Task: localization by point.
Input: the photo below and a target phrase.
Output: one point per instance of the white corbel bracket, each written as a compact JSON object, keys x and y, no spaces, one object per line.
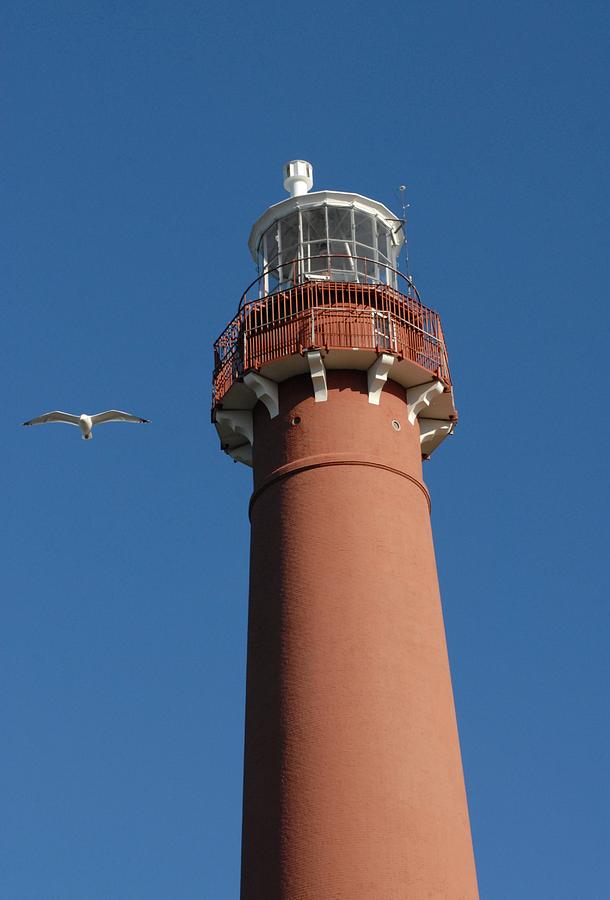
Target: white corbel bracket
{"x":236,"y":422}
{"x":232,"y":424}
{"x":318,"y":375}
{"x":432,"y":432}
{"x":265,"y":390}
{"x":421,"y":396}
{"x":377,"y":375}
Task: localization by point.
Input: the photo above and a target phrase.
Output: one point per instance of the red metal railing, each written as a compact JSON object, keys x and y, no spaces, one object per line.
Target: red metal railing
{"x":328,"y":315}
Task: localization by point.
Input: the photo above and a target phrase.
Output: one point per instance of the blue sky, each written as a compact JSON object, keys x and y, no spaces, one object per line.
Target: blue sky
{"x":140,"y":142}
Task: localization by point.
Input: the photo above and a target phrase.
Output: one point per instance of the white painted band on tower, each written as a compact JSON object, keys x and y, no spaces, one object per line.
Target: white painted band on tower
{"x":298,"y":177}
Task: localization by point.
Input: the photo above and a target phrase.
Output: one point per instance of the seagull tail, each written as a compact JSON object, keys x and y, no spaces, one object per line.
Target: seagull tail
{"x":87,"y":437}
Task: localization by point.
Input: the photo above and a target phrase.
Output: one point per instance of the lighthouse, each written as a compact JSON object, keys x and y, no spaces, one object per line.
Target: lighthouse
{"x":332,"y":383}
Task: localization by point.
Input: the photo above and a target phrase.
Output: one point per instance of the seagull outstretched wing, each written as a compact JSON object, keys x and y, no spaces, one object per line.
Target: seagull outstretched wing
{"x":55,"y":416}
{"x":115,"y":415}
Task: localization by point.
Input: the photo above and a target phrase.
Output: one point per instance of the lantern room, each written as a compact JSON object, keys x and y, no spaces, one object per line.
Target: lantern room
{"x":324,"y":236}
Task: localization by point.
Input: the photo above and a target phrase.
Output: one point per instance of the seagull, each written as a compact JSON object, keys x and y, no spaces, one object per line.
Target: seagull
{"x":85,"y":422}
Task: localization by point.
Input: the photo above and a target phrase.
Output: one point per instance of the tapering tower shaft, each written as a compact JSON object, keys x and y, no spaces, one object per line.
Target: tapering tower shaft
{"x":353,"y":785}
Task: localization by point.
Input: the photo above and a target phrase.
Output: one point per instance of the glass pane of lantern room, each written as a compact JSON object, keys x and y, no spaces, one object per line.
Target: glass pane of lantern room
{"x":272,"y":282}
{"x":271,"y":247}
{"x":340,"y":242}
{"x":382,"y":239}
{"x":384,"y":244}
{"x":342,"y":261}
{"x":290,"y":245}
{"x":315,"y":242}
{"x":271,"y":257}
{"x":365,"y":226}
{"x":367,"y":267}
{"x":340,"y":223}
{"x":316,"y":257}
{"x":314,"y":224}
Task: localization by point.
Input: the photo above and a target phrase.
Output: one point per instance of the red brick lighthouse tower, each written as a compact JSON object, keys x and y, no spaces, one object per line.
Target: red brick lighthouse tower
{"x":332,"y":383}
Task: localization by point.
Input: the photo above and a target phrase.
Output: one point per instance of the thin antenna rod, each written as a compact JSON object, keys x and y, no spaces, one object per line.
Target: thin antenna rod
{"x":402,"y":190}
